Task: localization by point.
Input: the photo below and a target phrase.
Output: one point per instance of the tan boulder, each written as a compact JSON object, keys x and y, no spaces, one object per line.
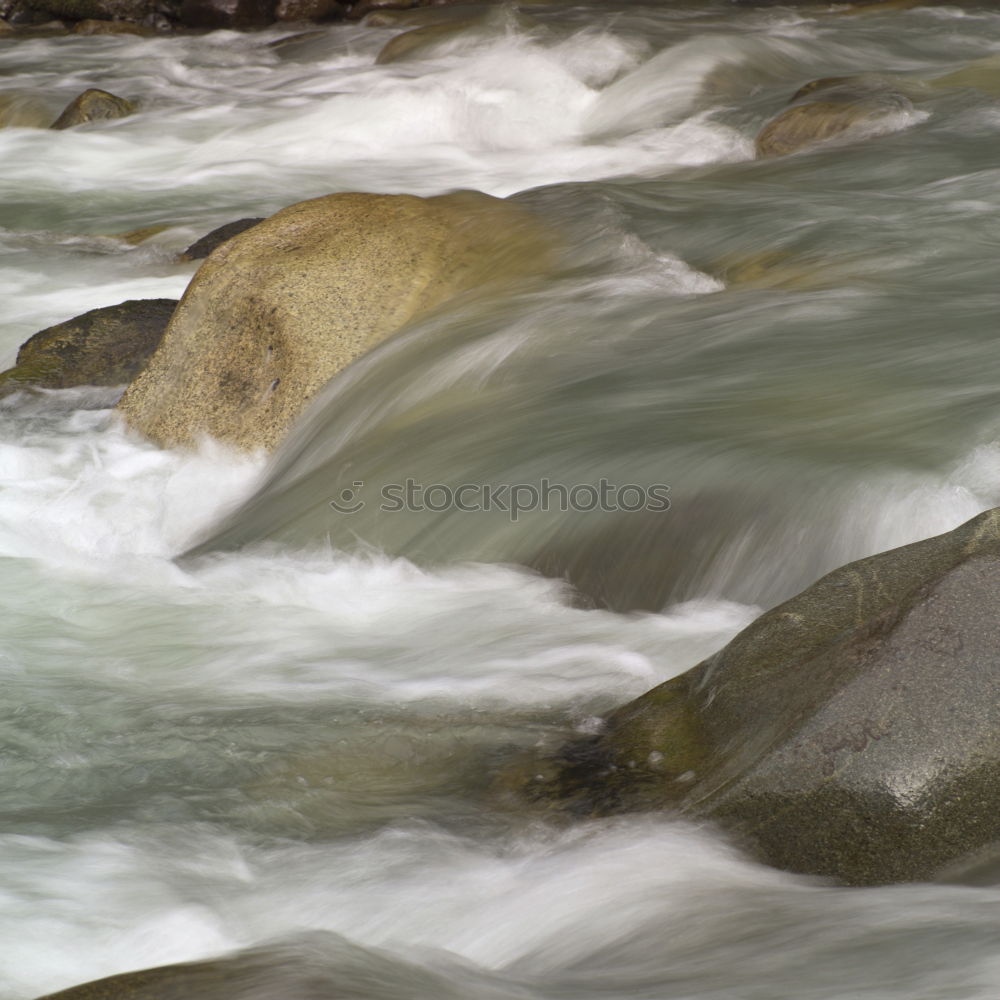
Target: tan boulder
{"x":23,"y":111}
{"x":278,"y":310}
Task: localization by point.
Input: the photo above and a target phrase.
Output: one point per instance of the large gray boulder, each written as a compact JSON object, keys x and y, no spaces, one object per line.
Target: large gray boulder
{"x":853,"y":731}
{"x":278,"y":310}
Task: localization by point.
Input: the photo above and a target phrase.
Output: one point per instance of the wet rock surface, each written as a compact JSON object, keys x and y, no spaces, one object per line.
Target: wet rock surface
{"x":853,"y":731}
{"x":107,"y":346}
{"x":275,"y":312}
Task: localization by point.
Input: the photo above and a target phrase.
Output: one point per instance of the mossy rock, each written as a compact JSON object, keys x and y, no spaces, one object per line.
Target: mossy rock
{"x":91,"y":106}
{"x":852,"y":732}
{"x":278,"y":310}
{"x":107,"y":346}
{"x":830,"y":108}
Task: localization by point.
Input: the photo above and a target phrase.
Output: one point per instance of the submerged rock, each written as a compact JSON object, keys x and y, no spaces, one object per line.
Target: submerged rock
{"x":275,"y":312}
{"x":203,"y":247}
{"x":23,"y":111}
{"x":853,"y":731}
{"x":420,"y":41}
{"x":276,"y":973}
{"x":91,"y":106}
{"x":169,"y":982}
{"x":423,"y":41}
{"x":847,"y":105}
{"x":108,"y":346}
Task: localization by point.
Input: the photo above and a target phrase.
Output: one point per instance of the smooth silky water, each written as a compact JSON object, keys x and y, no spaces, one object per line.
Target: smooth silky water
{"x":292,"y":733}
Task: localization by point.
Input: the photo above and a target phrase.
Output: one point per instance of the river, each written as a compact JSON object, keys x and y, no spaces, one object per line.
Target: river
{"x":293,"y":733}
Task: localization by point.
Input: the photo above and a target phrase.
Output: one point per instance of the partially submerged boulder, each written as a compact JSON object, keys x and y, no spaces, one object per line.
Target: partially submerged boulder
{"x":426,"y":40}
{"x":277,"y":311}
{"x":107,"y":346}
{"x":91,"y":106}
{"x":419,"y":42}
{"x":168,"y":982}
{"x":200,"y":249}
{"x":830,"y":108}
{"x":853,"y":731}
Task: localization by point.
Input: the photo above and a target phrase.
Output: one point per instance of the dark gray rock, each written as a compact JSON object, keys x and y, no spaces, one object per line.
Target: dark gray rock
{"x":203,"y":247}
{"x":108,"y":346}
{"x":309,"y":10}
{"x":853,"y":731}
{"x":99,"y":10}
{"x":238,"y":15}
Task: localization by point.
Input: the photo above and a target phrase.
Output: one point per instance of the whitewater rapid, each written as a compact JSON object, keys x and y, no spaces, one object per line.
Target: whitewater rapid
{"x":298,"y":731}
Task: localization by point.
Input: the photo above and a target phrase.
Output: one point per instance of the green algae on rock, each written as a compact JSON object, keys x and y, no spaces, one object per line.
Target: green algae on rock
{"x":852,"y":732}
{"x":278,"y":310}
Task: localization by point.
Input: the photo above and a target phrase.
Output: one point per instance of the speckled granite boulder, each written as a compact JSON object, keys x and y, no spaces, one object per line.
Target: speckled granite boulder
{"x":278,"y":310}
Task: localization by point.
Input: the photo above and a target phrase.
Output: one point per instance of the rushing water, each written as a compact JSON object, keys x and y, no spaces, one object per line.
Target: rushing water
{"x":291,"y":734}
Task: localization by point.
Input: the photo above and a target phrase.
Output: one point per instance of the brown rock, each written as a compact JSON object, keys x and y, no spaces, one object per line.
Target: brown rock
{"x":275,"y":312}
{"x":23,"y":111}
{"x":807,"y":124}
{"x":91,"y":106}
{"x":421,"y":41}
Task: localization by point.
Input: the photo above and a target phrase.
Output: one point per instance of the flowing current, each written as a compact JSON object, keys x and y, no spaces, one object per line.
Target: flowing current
{"x":293,"y":734}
